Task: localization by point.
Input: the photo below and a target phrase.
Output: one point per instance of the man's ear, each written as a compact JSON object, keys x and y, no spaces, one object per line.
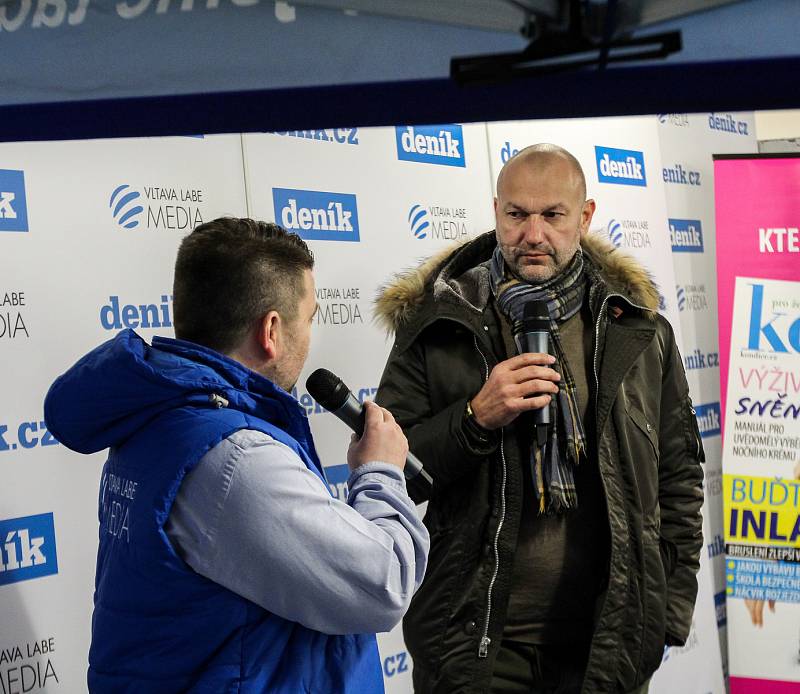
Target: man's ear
{"x":270,"y":335}
{"x":586,"y":216}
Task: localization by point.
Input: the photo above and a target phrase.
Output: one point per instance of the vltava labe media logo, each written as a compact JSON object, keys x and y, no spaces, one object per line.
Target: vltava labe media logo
{"x":438,"y":222}
{"x":629,"y":233}
{"x":680,"y":120}
{"x":177,"y":208}
{"x":339,"y":306}
{"x":13,"y":306}
{"x":691,"y":297}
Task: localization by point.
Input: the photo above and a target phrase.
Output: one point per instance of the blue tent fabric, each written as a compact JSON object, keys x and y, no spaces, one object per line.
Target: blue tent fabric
{"x":182,"y":68}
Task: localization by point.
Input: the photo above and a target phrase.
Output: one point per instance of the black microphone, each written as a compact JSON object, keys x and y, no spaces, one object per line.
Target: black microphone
{"x":330,"y":391}
{"x":533,"y":335}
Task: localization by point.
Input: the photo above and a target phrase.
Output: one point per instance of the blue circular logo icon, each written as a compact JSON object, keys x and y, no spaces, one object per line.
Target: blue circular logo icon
{"x":681,"y":298}
{"x":125,"y":208}
{"x":418,"y":221}
{"x":614,"y":231}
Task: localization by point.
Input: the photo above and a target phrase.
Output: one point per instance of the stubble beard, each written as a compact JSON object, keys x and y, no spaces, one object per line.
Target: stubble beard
{"x":534,"y":274}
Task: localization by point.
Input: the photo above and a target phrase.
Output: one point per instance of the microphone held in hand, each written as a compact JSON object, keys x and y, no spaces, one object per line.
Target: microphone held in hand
{"x":330,"y":391}
{"x":533,"y":335}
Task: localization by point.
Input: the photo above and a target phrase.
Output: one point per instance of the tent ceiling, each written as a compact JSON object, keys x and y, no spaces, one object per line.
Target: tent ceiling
{"x":116,"y":68}
{"x":515,"y":15}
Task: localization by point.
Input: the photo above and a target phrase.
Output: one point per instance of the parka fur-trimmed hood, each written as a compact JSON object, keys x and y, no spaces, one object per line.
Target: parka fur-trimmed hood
{"x":399,"y":300}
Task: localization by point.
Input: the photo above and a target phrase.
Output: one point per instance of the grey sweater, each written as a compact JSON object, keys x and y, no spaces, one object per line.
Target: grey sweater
{"x":254,"y":519}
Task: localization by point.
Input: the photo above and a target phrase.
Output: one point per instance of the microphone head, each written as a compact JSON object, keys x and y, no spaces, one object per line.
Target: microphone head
{"x":535,"y":317}
{"x":327,"y":389}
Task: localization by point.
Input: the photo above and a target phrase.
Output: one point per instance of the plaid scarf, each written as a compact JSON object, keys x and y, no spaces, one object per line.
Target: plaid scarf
{"x":551,"y":464}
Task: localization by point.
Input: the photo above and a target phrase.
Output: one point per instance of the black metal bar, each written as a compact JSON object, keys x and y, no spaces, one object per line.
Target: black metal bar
{"x":497,"y":67}
{"x":662,"y":88}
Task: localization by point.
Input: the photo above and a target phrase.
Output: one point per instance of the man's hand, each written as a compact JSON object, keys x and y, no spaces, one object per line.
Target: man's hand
{"x":756,"y":610}
{"x":515,"y":385}
{"x":382,"y":440}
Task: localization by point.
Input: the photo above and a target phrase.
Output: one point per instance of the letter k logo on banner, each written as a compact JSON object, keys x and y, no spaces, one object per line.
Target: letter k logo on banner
{"x":6,"y":210}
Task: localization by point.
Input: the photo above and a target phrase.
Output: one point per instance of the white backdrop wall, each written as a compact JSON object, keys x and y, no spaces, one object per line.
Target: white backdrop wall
{"x":71,"y":261}
{"x":84,"y":262}
{"x":688,"y":143}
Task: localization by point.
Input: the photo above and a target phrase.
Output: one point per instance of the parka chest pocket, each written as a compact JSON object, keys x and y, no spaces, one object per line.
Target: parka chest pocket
{"x":646,"y":428}
{"x":644,"y":455}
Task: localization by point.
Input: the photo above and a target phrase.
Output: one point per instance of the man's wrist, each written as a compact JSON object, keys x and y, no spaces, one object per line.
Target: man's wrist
{"x":478,"y":433}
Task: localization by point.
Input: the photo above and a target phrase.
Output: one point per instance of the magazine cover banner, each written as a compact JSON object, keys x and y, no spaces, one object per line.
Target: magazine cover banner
{"x":758,"y":250}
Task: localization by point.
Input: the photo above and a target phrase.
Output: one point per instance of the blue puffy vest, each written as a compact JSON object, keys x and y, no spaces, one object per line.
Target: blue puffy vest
{"x":157,"y":625}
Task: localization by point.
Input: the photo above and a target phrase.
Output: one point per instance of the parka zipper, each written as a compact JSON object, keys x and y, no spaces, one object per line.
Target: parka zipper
{"x":483,"y":647}
{"x":594,"y":357}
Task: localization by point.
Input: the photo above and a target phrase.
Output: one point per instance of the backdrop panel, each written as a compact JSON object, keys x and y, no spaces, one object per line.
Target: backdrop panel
{"x":88,"y":234}
{"x":688,"y":142}
{"x":371,"y":202}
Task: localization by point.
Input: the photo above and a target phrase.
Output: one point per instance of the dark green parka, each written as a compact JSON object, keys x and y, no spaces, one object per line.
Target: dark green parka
{"x":648,"y":449}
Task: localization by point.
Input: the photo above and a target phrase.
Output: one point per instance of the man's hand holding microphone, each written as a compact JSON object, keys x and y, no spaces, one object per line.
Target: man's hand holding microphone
{"x":519,"y":384}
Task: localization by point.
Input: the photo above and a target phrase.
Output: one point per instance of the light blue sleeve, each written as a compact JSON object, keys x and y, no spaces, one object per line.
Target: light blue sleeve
{"x":254,"y":519}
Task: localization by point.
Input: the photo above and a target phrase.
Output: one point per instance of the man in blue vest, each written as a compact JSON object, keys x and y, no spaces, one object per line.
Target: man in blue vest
{"x":224,"y":563}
